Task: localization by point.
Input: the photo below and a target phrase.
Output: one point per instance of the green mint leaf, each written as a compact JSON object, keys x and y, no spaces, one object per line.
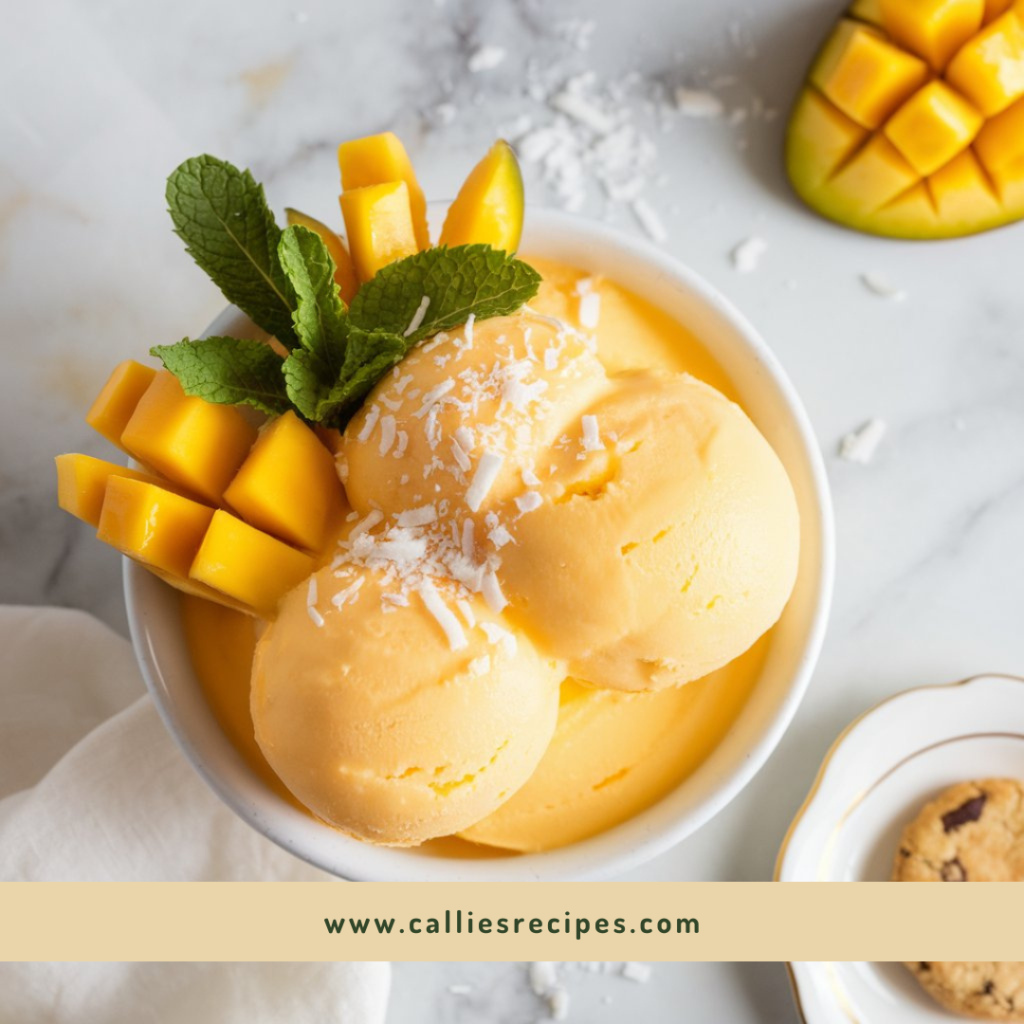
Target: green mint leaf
{"x":228,"y":371}
{"x":369,"y":356}
{"x":467,"y":279}
{"x":304,"y":383}
{"x":320,"y":320}
{"x":222,"y":216}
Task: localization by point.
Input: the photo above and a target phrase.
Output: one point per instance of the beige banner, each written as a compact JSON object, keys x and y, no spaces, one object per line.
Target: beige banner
{"x":448,"y":921}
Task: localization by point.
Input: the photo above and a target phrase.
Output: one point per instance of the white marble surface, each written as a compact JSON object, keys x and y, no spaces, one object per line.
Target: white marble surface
{"x":499,"y":993}
{"x":100,"y":99}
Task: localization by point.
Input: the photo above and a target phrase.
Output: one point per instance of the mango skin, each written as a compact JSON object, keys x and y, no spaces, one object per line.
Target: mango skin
{"x":978,"y":189}
{"x":490,"y":205}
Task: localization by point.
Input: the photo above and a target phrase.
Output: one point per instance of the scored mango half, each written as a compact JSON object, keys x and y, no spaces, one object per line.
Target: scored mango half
{"x":911,"y":123}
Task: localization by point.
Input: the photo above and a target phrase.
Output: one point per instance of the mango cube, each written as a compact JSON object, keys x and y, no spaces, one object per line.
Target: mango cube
{"x":989,"y":69}
{"x":1000,"y":144}
{"x":193,"y":443}
{"x":864,"y":75}
{"x":820,"y":138}
{"x":993,"y":8}
{"x":961,"y":190}
{"x":344,"y":270}
{"x":156,"y":527}
{"x":288,"y":485}
{"x":377,"y":160}
{"x":248,"y":565}
{"x":378,"y":221}
{"x":933,"y":29}
{"x":489,"y":207}
{"x":876,"y":175}
{"x":82,"y":484}
{"x":933,"y":126}
{"x":867,"y":10}
{"x":116,"y":402}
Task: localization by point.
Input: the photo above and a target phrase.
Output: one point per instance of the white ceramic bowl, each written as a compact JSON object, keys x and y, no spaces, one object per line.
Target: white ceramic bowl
{"x":769,"y":398}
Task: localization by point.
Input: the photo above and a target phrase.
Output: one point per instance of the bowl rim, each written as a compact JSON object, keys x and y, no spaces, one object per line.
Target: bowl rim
{"x":616,"y":850}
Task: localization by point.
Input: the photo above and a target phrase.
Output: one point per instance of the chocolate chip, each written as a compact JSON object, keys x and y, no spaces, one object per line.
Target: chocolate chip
{"x":970,"y":811}
{"x":904,"y":852}
{"x":988,"y":989}
{"x":954,"y":871}
{"x":924,"y":965}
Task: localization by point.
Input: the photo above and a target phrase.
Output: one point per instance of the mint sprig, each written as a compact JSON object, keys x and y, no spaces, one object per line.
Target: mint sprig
{"x":222,"y":216}
{"x":319,"y":317}
{"x":284,"y":281}
{"x":228,"y":371}
{"x":469,"y":279}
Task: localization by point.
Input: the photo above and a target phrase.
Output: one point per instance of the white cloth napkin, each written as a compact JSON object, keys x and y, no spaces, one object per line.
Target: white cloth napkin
{"x":93,"y":789}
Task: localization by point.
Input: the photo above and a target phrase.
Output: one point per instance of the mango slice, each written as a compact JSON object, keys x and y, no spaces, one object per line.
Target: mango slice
{"x":156,"y":527}
{"x":344,"y":270}
{"x":193,"y":443}
{"x":378,"y":221}
{"x":910,"y":124}
{"x":378,"y":160}
{"x":248,"y":565}
{"x":82,"y":484}
{"x":114,"y":405}
{"x":489,"y":207}
{"x":288,"y":485}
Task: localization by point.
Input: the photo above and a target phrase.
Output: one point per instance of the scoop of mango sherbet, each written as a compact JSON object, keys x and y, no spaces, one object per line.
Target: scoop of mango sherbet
{"x":385,"y":727}
{"x":664,"y":542}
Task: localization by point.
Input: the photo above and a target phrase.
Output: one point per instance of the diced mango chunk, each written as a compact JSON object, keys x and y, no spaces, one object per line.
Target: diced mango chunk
{"x":933,"y":126}
{"x":489,"y":207}
{"x":193,"y":443}
{"x":933,"y":29}
{"x":377,"y":160}
{"x":344,"y":270}
{"x":379,"y":225}
{"x":1000,"y":144}
{"x":876,"y":175}
{"x":116,"y":402}
{"x":156,"y":527}
{"x":82,"y":484}
{"x":961,"y":191}
{"x":867,"y":10}
{"x":248,"y":565}
{"x":989,"y":69}
{"x":288,"y":485}
{"x":864,"y":75}
{"x":993,"y":8}
{"x":820,"y":138}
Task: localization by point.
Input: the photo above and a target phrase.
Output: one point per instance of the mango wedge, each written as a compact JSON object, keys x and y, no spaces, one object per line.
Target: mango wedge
{"x":378,"y":160}
{"x":490,"y":205}
{"x":288,"y":485}
{"x":193,"y":443}
{"x":114,"y":405}
{"x":912,"y":119}
{"x":344,"y":269}
{"x":379,"y":225}
{"x":82,"y":484}
{"x":248,"y":565}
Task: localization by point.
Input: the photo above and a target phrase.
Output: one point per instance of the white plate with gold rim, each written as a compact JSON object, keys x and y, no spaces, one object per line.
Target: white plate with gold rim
{"x":862,"y":993}
{"x":878,"y":774}
{"x":893,"y":760}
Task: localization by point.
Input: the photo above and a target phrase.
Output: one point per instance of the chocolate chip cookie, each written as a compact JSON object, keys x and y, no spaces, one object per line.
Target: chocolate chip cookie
{"x":973,"y":832}
{"x":993,"y":991}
